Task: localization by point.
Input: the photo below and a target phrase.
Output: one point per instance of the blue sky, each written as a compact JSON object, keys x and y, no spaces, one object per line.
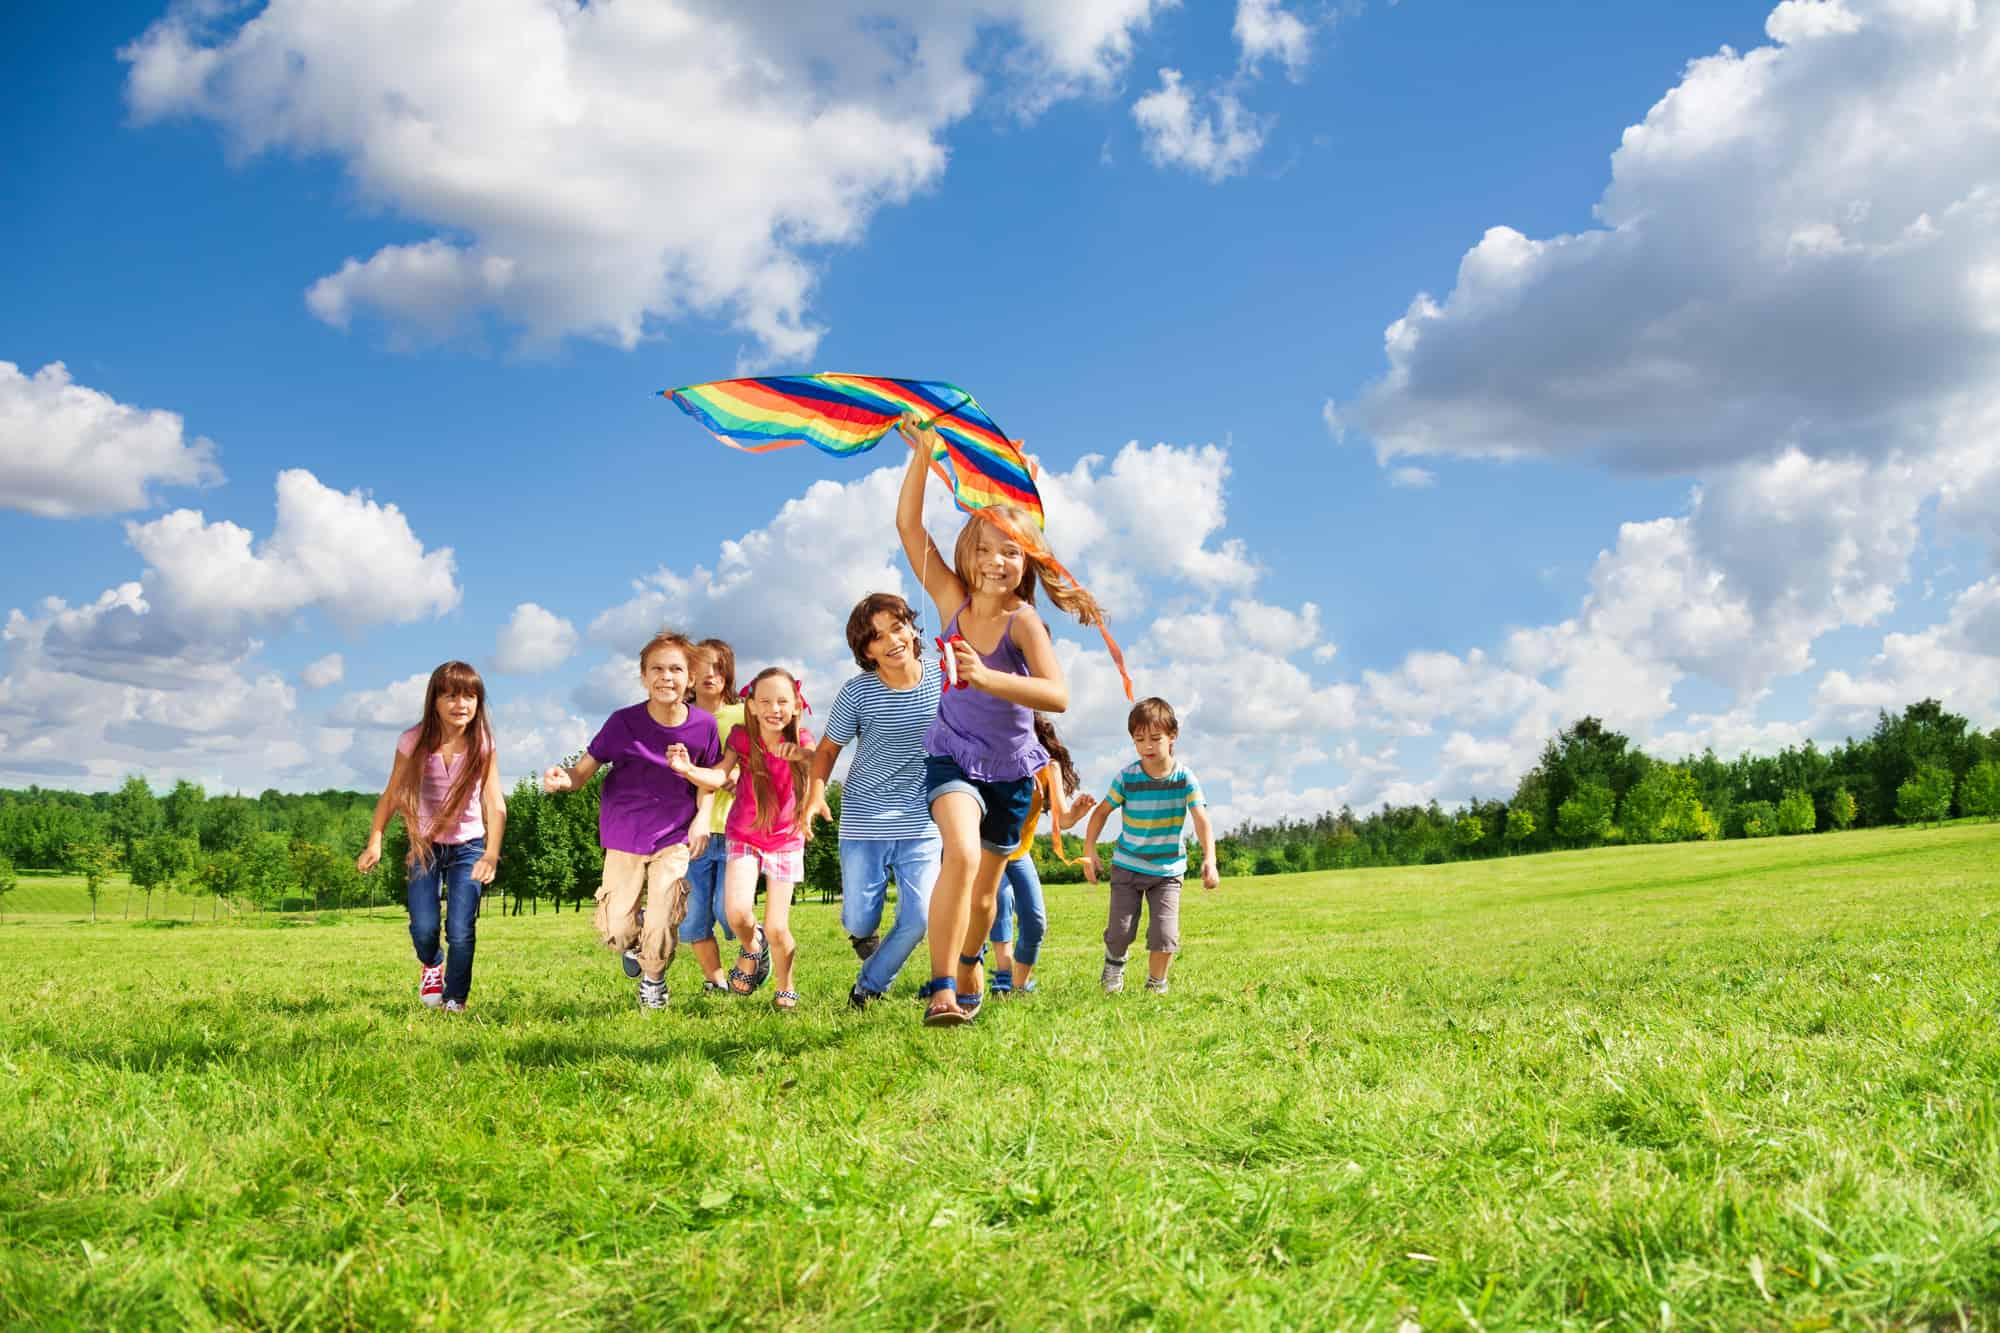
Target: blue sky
{"x":405,"y":263}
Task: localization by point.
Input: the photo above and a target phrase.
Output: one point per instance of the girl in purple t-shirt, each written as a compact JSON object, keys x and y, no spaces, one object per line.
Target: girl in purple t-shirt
{"x":774,"y":754}
{"x":981,"y":755}
{"x":445,"y":783}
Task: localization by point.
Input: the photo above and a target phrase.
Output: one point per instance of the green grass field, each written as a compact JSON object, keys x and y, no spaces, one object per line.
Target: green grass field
{"x":1738,"y":1085}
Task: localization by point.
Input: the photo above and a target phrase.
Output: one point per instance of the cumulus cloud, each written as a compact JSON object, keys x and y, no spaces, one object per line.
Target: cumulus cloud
{"x":67,"y":449}
{"x":1215,"y":144}
{"x":322,"y":672}
{"x":343,"y":553}
{"x":1798,"y":250}
{"x":1956,"y":661}
{"x":556,"y":150}
{"x":534,"y":640}
{"x":1266,"y":30}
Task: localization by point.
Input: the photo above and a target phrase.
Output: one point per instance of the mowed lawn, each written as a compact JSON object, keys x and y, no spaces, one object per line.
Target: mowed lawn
{"x":1738,"y":1085}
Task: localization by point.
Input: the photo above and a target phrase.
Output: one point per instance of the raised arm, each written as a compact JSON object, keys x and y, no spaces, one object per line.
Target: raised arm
{"x":940,"y":580}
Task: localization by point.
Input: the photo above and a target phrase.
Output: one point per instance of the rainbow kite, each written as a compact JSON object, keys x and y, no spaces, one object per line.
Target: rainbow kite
{"x":845,"y":415}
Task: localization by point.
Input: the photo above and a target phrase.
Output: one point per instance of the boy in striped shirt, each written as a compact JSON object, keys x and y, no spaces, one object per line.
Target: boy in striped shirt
{"x":1158,"y":796}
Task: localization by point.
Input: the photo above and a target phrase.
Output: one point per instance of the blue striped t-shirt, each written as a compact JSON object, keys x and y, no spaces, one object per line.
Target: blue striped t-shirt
{"x":883,"y":796}
{"x":1154,"y":813}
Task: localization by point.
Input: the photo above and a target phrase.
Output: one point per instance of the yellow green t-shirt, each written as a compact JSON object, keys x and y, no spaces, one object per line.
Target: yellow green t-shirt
{"x":727,"y":717}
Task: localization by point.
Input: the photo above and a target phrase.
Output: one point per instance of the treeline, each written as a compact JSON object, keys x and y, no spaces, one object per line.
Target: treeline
{"x":1593,"y":787}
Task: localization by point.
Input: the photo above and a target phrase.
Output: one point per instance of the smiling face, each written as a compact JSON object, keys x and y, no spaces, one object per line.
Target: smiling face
{"x":892,"y":641}
{"x":998,"y":562}
{"x":664,"y":673}
{"x":774,"y":703}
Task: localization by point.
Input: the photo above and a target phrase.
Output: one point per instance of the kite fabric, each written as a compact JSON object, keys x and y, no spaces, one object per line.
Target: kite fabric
{"x":845,"y":415}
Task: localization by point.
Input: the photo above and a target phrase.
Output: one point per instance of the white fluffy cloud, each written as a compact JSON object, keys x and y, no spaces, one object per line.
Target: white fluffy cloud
{"x":534,"y":640}
{"x":1266,"y":30}
{"x":67,"y":449}
{"x":342,"y":553}
{"x":324,"y":671}
{"x":1215,"y":143}
{"x":1799,"y":249}
{"x":558,"y":147}
{"x":1956,"y":662}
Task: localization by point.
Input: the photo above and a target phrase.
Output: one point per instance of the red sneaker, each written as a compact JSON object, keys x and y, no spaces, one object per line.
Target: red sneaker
{"x":430,"y":986}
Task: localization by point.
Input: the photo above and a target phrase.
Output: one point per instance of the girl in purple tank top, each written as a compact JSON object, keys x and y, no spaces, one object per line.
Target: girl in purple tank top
{"x":981,"y":755}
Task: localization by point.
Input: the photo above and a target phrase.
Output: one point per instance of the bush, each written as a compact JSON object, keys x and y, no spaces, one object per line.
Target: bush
{"x":1796,"y":813}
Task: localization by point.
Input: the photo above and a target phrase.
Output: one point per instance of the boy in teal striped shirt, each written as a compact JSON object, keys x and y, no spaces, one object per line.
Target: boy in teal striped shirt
{"x":1158,"y":795}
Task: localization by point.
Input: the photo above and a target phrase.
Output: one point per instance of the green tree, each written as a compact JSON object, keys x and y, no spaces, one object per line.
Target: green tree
{"x":1467,"y":831}
{"x":1585,"y":817}
{"x":267,"y":869}
{"x":161,"y":862}
{"x":1796,"y":814}
{"x":94,"y":861}
{"x":1520,"y":827}
{"x":1841,"y":809}
{"x":8,"y":879}
{"x":182,"y":808}
{"x":133,"y":813}
{"x":823,"y":852}
{"x":1925,"y":798}
{"x":1757,"y":819}
{"x":1979,"y":793}
{"x":324,"y":876}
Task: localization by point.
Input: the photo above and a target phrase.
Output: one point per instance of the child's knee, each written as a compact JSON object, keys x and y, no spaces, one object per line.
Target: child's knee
{"x":781,"y":938}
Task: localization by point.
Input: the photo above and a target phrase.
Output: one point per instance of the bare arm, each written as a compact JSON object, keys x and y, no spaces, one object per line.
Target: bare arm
{"x":1045,"y":691}
{"x":493,"y":809}
{"x":1091,"y":832}
{"x":1204,"y":829}
{"x":557,"y":778}
{"x":372,"y":853}
{"x":814,"y":806}
{"x":940,"y":580}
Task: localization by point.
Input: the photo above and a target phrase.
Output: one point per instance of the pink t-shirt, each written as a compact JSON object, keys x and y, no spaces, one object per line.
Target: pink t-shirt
{"x":435,"y":787}
{"x":780,"y":835}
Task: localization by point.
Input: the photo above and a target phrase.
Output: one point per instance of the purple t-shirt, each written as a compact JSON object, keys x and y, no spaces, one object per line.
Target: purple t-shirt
{"x":646,"y":805}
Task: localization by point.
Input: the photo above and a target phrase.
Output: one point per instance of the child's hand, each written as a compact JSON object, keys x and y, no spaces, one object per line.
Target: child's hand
{"x":1091,"y":870}
{"x":973,"y":673}
{"x":817,"y":808}
{"x":1210,"y":876}
{"x":697,"y":844}
{"x":677,"y":759}
{"x":555,"y":778}
{"x":1081,"y":806}
{"x":370,"y":856}
{"x":485,"y":868}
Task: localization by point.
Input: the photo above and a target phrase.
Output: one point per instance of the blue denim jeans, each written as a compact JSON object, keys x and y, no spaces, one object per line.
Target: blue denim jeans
{"x":865,"y":864}
{"x":1021,"y":895}
{"x":448,"y":876}
{"x":705,"y":894}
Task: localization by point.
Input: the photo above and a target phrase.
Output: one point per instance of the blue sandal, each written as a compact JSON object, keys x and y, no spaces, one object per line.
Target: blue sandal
{"x":1001,"y":983}
{"x":969,"y":1001}
{"x":943,"y":1010}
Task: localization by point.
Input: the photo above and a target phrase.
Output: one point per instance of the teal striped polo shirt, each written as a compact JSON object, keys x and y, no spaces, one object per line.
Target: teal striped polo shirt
{"x":1154,"y":814}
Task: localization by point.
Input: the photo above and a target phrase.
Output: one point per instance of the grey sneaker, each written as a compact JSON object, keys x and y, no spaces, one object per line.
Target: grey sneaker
{"x":1112,"y":978}
{"x":1156,"y":985}
{"x":652,"y":994}
{"x":630,"y":959}
{"x":454,"y":1006}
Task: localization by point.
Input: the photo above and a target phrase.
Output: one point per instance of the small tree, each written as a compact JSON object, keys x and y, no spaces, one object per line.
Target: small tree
{"x":94,"y":861}
{"x":1759,"y":819}
{"x":1586,"y":817}
{"x":1979,"y":792}
{"x":1925,"y":798}
{"x":1520,"y":825}
{"x":1796,"y":814}
{"x":8,"y":879}
{"x":1841,"y":809}
{"x":162,"y":861}
{"x":1467,"y":831}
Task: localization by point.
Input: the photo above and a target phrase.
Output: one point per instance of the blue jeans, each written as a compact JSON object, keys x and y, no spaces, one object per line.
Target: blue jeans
{"x":865,"y":864}
{"x":449,"y":875}
{"x":705,"y":894}
{"x":1021,"y":892}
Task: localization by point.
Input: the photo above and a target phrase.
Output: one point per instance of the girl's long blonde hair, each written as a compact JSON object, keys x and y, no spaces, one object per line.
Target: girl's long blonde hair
{"x":1019,"y":526}
{"x":450,"y":680}
{"x":762,"y":789}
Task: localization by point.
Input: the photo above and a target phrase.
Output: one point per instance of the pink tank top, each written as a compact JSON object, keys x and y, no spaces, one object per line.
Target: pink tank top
{"x":435,"y":787}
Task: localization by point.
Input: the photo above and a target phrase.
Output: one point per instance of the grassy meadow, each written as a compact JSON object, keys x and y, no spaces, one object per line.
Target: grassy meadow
{"x":1735,"y":1085}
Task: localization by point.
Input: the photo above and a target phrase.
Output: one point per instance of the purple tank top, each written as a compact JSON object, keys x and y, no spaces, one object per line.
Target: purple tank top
{"x":991,"y":739}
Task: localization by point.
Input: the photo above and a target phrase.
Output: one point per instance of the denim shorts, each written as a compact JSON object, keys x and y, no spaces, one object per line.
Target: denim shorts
{"x":1003,"y":806}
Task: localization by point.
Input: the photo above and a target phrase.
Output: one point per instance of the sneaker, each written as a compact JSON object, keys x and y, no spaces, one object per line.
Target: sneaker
{"x":430,"y":986}
{"x":631,"y":961}
{"x":714,"y":988}
{"x":865,"y":945}
{"x":1156,"y":985}
{"x":859,"y":999}
{"x":454,"y":1006}
{"x":1112,"y":978}
{"x":652,"y":994}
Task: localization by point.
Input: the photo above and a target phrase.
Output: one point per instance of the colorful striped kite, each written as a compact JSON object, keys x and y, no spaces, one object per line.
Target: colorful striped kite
{"x":844,"y":415}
